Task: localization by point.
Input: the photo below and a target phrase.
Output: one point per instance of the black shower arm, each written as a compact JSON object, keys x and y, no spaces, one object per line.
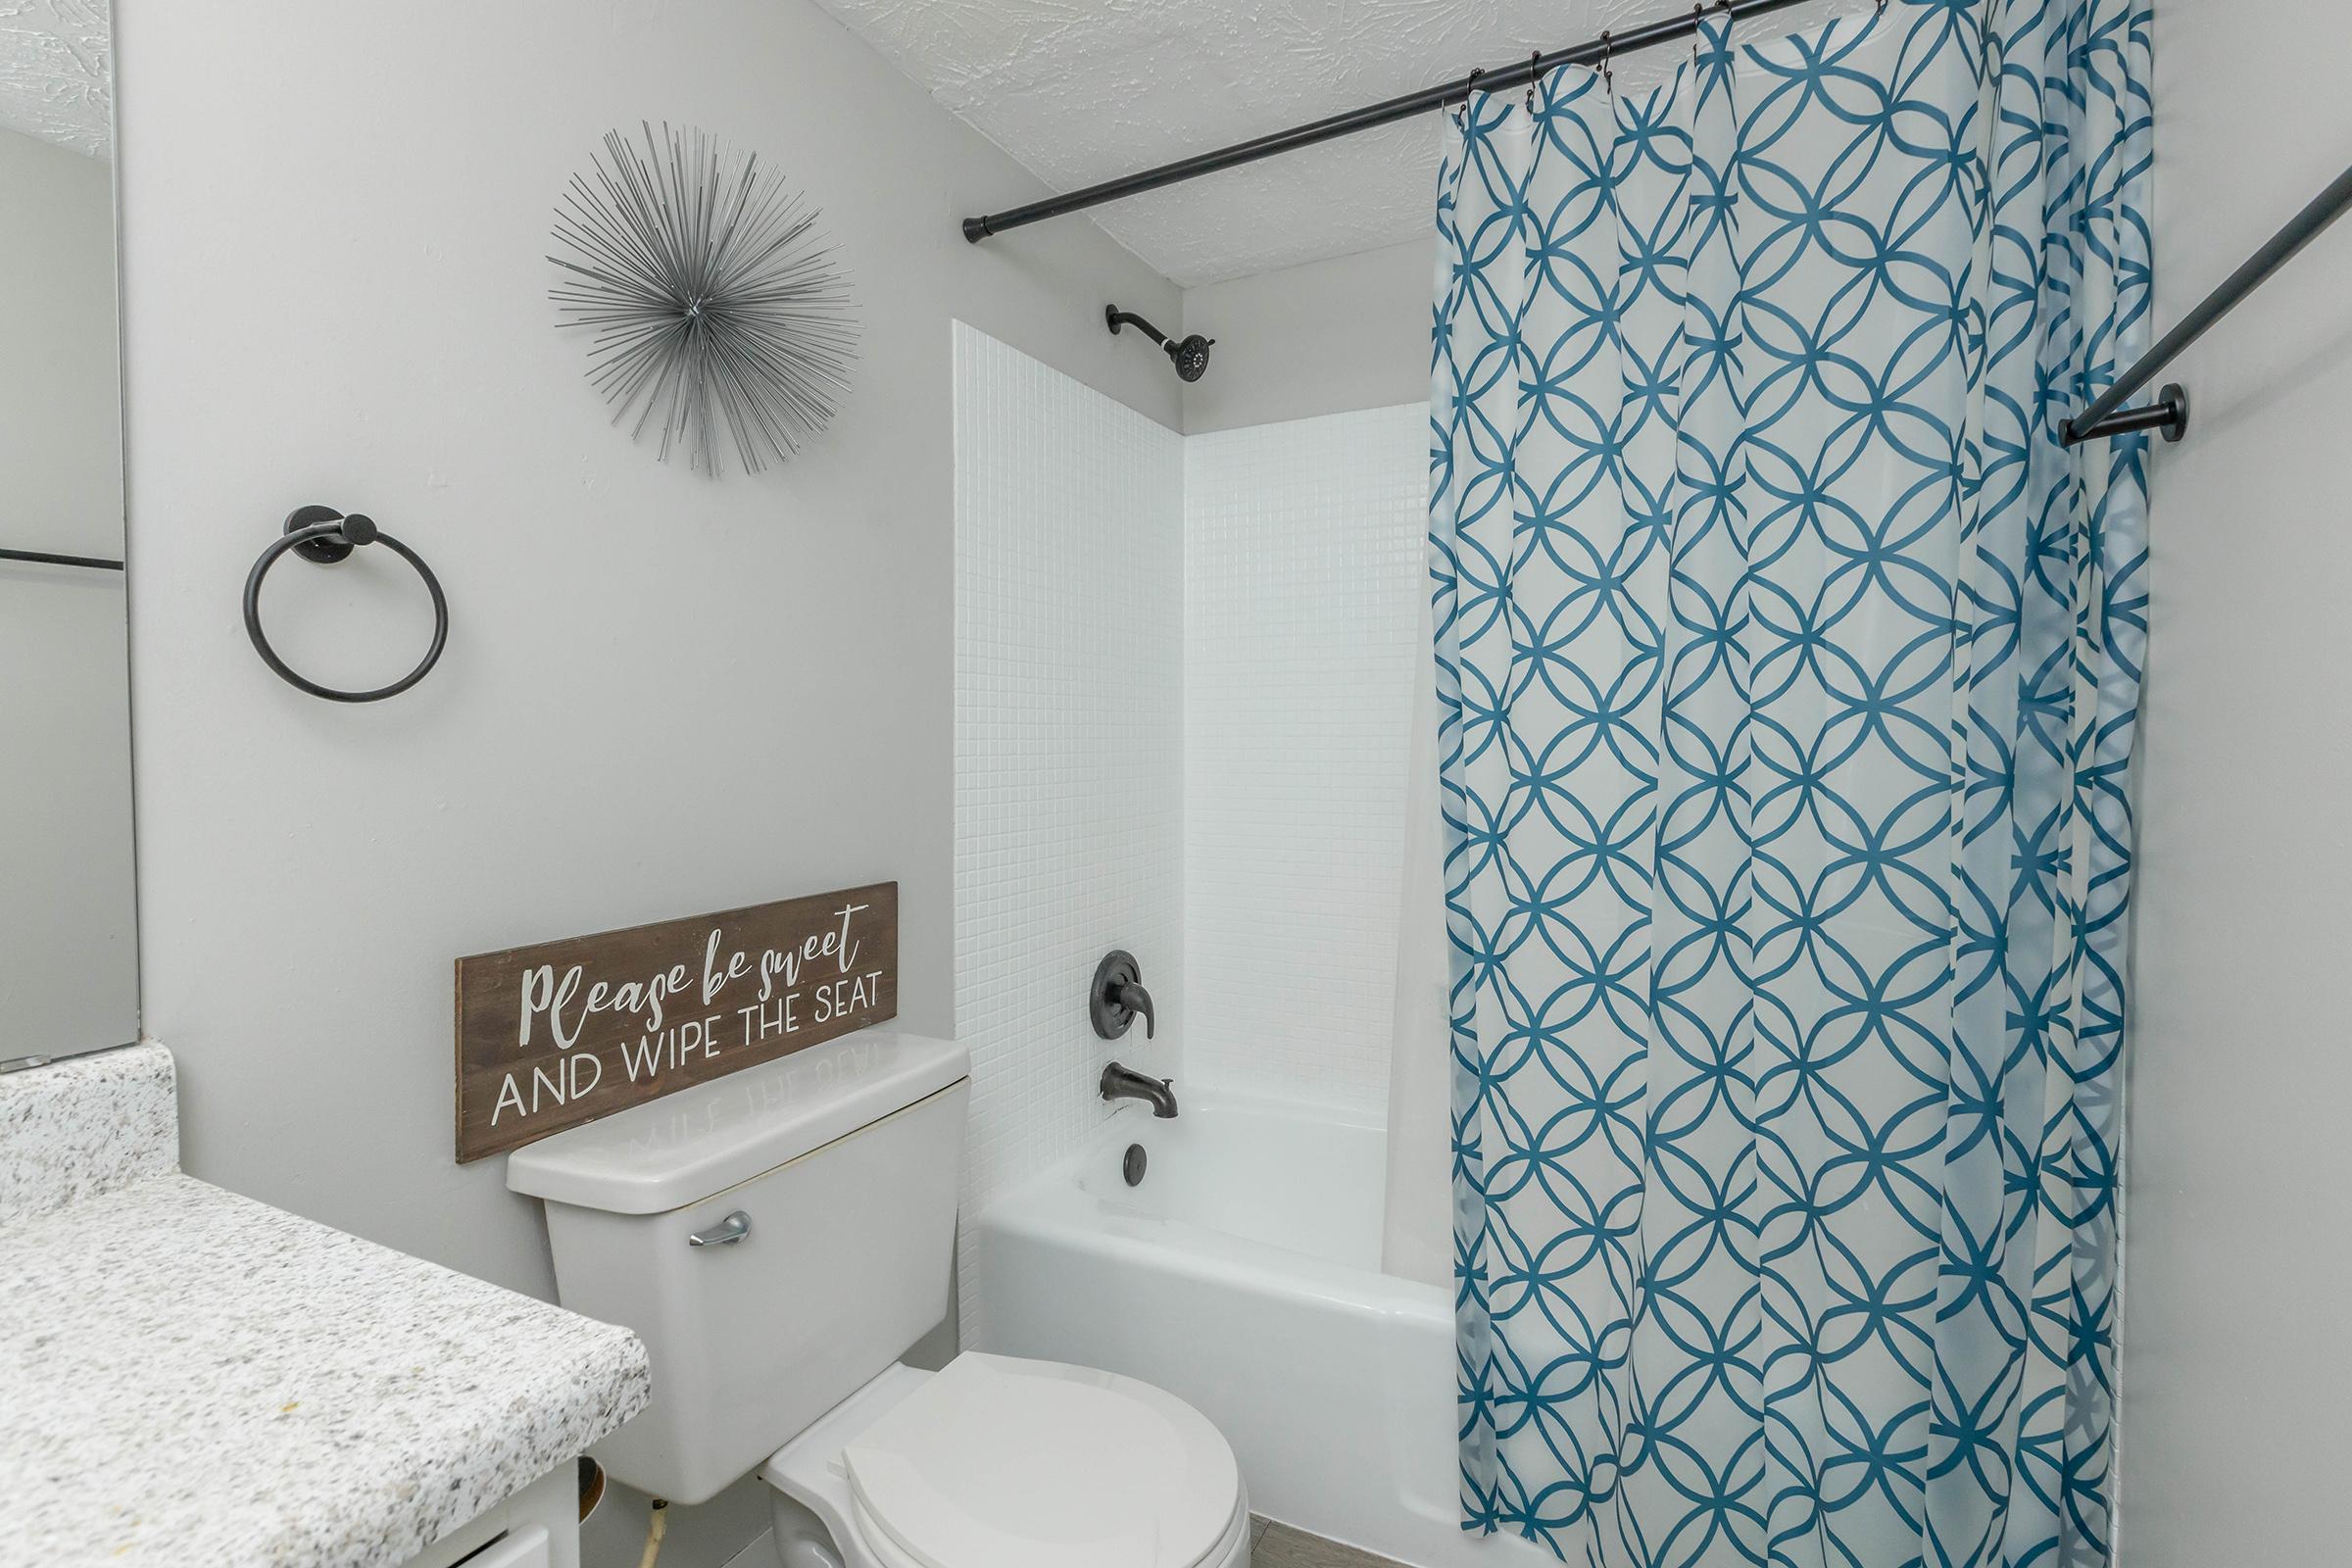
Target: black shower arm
{"x":1118,"y":318}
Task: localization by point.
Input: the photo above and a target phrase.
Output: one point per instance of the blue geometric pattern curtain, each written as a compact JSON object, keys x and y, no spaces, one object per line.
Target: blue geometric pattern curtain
{"x":1789,"y":671}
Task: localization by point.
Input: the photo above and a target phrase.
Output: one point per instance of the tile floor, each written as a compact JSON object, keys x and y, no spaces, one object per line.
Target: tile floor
{"x":1274,"y":1545}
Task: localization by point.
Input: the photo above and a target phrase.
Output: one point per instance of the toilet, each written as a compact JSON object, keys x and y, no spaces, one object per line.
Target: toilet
{"x":778,"y":1237}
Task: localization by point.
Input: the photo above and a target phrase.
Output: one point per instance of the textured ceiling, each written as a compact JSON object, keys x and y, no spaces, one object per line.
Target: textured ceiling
{"x":1084,"y":91}
{"x":56,"y":59}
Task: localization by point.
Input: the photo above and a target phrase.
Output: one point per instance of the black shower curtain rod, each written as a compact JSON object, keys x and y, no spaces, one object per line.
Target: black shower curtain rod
{"x":1598,"y":51}
{"x":2169,"y":412}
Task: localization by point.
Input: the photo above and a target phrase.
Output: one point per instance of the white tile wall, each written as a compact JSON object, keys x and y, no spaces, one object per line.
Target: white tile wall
{"x":1184,"y":677}
{"x":1304,"y":565}
{"x":1069,"y":767}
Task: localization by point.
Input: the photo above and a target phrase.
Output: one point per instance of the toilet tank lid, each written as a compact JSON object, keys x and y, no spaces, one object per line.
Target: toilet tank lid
{"x":686,"y":1147}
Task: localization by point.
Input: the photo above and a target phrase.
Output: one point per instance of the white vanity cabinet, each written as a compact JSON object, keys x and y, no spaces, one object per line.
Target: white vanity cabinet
{"x":536,"y":1528}
{"x":525,"y":1549}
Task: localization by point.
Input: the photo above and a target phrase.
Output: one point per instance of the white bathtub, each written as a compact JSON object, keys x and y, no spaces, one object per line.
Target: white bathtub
{"x":1243,"y":1276}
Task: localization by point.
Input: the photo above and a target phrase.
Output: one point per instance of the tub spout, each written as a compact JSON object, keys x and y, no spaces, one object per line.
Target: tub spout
{"x":1125,"y":1083}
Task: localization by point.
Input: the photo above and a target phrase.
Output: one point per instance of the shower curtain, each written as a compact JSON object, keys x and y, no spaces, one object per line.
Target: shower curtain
{"x":1788,"y":670}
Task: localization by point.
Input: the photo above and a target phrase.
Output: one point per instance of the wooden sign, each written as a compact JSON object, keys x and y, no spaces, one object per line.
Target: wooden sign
{"x":564,"y":1032}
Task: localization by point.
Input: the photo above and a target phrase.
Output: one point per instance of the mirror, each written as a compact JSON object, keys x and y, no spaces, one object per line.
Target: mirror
{"x":69,"y":954}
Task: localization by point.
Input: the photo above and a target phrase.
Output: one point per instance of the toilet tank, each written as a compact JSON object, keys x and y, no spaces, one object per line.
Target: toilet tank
{"x":842,"y":1161}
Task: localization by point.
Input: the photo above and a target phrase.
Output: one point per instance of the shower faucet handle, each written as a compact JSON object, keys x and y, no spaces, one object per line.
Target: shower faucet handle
{"x":1136,"y":1000}
{"x":1117,"y":998}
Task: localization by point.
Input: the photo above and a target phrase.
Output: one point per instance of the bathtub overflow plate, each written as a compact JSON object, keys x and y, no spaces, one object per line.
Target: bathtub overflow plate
{"x":1131,"y":1165}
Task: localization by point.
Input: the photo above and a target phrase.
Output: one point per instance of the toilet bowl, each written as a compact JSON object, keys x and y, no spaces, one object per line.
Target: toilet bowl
{"x":994,"y":1462}
{"x":778,"y":1237}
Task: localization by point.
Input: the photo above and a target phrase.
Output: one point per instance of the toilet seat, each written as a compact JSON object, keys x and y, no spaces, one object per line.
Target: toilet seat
{"x":996,"y":1462}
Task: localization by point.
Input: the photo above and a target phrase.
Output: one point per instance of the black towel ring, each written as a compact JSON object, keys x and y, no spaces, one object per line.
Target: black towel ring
{"x":327,"y":536}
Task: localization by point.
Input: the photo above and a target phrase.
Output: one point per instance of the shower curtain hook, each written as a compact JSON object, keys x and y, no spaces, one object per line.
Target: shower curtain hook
{"x":1698,"y":20}
{"x":1461,"y":114}
{"x":1535,"y":69}
{"x":1608,"y":50}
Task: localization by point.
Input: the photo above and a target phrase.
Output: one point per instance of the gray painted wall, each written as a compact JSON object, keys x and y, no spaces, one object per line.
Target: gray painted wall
{"x":662,"y":693}
{"x":1328,"y":337}
{"x":2235,"y":1362}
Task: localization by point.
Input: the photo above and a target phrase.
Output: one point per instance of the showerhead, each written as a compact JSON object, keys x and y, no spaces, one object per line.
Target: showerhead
{"x":1190,"y":356}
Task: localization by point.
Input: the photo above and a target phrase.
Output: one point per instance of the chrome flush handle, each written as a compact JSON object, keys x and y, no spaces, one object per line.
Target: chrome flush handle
{"x":726,"y":1233}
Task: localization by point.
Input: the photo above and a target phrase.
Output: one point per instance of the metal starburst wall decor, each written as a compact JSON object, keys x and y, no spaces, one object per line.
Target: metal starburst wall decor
{"x":716,"y":312}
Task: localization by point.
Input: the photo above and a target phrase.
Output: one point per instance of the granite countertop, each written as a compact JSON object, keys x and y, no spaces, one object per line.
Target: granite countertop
{"x":189,"y":1377}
